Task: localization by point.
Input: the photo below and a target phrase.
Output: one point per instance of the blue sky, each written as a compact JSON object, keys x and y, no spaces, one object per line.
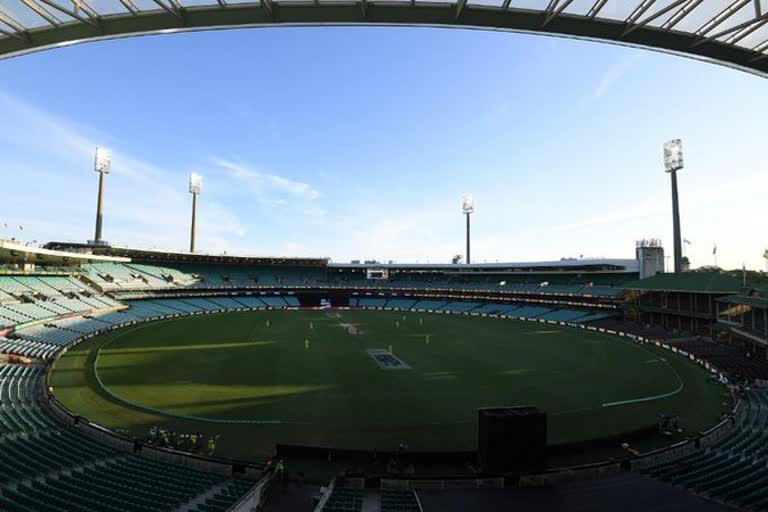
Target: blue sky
{"x":357,"y":143}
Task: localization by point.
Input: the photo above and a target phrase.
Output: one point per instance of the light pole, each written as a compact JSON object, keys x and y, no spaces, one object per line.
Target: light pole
{"x":195,"y":187}
{"x":102,"y":164}
{"x":468,"y":208}
{"x":673,"y":162}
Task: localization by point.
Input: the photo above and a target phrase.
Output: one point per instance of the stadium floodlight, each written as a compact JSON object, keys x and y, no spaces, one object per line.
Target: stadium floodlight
{"x":468,"y":208}
{"x":468,"y":203}
{"x":673,"y":155}
{"x":102,"y":164}
{"x":195,"y":187}
{"x":673,"y":162}
{"x":195,"y":183}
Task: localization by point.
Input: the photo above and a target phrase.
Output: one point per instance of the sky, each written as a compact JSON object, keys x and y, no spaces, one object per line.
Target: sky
{"x":359,"y":142}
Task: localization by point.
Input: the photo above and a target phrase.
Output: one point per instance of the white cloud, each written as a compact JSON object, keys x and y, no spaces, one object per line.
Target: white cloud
{"x":267,"y":186}
{"x":611,"y":76}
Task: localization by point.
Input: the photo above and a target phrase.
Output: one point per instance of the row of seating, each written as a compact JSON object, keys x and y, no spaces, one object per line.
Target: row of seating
{"x":735,"y":470}
{"x":508,"y":309}
{"x":28,"y":348}
{"x":136,"y":276}
{"x":47,"y":465}
{"x":227,"y":496}
{"x":15,"y":286}
{"x":19,"y":409}
{"x":399,"y":501}
{"x":343,"y":499}
{"x":729,"y":358}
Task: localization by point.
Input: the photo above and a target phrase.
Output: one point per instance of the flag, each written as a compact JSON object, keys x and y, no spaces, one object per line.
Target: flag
{"x":714,"y":250}
{"x":765,"y":254}
{"x":686,"y":241}
{"x":21,"y":228}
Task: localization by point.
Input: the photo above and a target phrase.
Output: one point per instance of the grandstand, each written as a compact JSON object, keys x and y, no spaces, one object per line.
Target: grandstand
{"x":733,"y":471}
{"x":46,"y":310}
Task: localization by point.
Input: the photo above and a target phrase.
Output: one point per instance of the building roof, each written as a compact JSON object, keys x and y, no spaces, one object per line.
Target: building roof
{"x":732,"y":33}
{"x":12,"y":251}
{"x":689,"y":282}
{"x":757,"y":297}
{"x":169,"y":256}
{"x":566,"y":265}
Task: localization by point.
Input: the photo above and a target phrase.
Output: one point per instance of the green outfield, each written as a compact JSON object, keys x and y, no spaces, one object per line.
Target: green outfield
{"x":309,"y":377}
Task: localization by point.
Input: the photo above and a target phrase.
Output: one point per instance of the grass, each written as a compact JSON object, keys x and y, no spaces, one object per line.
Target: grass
{"x":257,"y":385}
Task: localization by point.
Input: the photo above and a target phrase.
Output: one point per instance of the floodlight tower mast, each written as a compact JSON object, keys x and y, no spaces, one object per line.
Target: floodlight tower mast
{"x":673,"y":162}
{"x":102,"y":164}
{"x":195,"y":187}
{"x":468,"y":208}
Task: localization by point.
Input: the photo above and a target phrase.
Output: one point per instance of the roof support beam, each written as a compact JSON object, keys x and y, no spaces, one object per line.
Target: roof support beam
{"x":42,"y":12}
{"x":639,"y":11}
{"x":89,"y":20}
{"x":128,"y":4}
{"x":551,"y":5}
{"x":758,"y":9}
{"x":8,"y":20}
{"x":596,"y":8}
{"x":459,"y":7}
{"x":760,"y":47}
{"x":736,"y":29}
{"x":657,"y":14}
{"x":681,"y":14}
{"x":268,"y":6}
{"x":8,"y":33}
{"x":169,"y":8}
{"x":556,"y":11}
{"x":722,"y":16}
{"x":739,"y":31}
{"x":86,"y":8}
{"x":744,"y":33}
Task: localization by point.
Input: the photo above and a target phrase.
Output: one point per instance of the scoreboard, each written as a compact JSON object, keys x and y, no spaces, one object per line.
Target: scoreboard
{"x":377,"y":273}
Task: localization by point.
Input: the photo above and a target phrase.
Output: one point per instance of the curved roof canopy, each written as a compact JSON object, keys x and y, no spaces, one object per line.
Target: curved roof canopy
{"x":730,"y":32}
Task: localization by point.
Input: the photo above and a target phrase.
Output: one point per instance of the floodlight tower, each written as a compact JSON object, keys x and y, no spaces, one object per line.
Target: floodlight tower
{"x":673,"y":162}
{"x":468,"y":208}
{"x":102,"y":164}
{"x":195,"y":187}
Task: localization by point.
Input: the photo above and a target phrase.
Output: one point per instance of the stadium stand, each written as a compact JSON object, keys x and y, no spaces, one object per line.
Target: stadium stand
{"x":733,"y":471}
{"x":49,"y":466}
{"x":344,"y":499}
{"x":399,"y":501}
{"x":56,"y":467}
{"x":625,"y":492}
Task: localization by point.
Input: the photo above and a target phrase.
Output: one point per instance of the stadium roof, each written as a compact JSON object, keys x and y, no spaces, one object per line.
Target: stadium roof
{"x":166,"y":256}
{"x":12,"y":251}
{"x":689,"y":282}
{"x":730,"y":32}
{"x":757,"y":297}
{"x":568,"y":265}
